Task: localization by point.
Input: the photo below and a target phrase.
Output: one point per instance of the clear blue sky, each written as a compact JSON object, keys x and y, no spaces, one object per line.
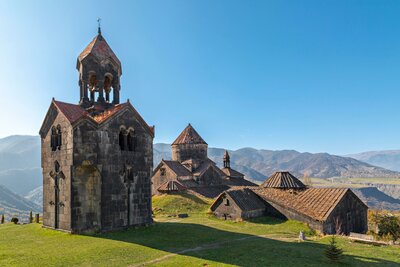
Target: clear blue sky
{"x":317,"y":76}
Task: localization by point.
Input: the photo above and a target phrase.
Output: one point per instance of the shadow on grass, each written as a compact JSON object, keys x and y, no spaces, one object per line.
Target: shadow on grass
{"x":205,"y":243}
{"x":267,"y":220}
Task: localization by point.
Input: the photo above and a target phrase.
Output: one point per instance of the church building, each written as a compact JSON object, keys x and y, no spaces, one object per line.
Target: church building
{"x":97,"y":155}
{"x":191,"y":170}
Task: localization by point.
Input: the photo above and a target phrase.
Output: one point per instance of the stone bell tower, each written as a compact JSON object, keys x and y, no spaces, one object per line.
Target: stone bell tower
{"x":99,"y":74}
{"x":97,"y":155}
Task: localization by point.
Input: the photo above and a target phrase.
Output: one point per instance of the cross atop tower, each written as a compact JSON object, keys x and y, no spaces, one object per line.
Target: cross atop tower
{"x":99,"y":26}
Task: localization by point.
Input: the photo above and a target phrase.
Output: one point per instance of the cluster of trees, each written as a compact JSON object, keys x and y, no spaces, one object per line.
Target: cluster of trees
{"x":385,"y":225}
{"x":15,"y":219}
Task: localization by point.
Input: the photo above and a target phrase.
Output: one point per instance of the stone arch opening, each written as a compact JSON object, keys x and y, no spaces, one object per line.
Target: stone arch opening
{"x":131,"y":140}
{"x":87,"y":208}
{"x":108,"y":80}
{"x":122,"y":138}
{"x":92,"y":82}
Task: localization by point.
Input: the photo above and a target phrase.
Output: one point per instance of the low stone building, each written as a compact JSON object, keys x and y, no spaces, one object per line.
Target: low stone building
{"x":328,"y":210}
{"x":241,"y":204}
{"x":192,"y":170}
{"x":97,"y":156}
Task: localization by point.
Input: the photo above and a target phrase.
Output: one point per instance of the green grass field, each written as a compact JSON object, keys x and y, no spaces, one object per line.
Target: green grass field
{"x":200,"y":240}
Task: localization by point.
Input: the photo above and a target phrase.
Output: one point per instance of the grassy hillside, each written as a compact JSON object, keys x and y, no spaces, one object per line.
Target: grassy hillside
{"x":200,"y":240}
{"x":180,"y":203}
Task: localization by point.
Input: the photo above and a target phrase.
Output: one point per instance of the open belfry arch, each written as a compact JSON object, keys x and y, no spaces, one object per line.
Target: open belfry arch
{"x":97,"y":155}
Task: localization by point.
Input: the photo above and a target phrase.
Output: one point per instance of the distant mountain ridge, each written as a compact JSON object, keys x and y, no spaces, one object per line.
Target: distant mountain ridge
{"x":388,"y":159}
{"x":259,"y":164}
{"x":20,"y":163}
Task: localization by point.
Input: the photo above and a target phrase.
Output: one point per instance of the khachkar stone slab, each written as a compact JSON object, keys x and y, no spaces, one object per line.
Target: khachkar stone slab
{"x":97,"y":155}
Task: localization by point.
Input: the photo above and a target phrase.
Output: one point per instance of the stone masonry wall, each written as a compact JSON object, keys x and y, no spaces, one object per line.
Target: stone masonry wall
{"x":100,"y":147}
{"x":64,"y":158}
{"x":183,"y":152}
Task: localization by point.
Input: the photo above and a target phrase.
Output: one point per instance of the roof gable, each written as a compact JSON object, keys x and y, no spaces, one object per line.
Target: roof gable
{"x":189,"y":136}
{"x":71,"y":112}
{"x":244,"y":198}
{"x":177,"y":168}
{"x":169,"y":186}
{"x":205,"y":166}
{"x":74,"y":113}
{"x":232,"y":173}
{"x":48,"y":120}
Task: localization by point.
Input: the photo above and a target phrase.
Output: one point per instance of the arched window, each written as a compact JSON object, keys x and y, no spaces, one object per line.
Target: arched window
{"x":59,"y":142}
{"x":53,"y":139}
{"x":56,"y":166}
{"x":107,"y":86}
{"x":122,"y":139}
{"x":131,"y":140}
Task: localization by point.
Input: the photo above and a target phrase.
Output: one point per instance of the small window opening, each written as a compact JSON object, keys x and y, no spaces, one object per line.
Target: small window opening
{"x":130,"y":174}
{"x":131,"y":138}
{"x":163,"y":172}
{"x":227,"y":202}
{"x":56,"y":138}
{"x":56,"y":166}
{"x":59,"y":142}
{"x":122,"y":139}
{"x":53,"y":140}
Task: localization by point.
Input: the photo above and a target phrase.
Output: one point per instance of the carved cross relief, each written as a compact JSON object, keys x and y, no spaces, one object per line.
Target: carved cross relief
{"x":127,"y":174}
{"x":56,"y":175}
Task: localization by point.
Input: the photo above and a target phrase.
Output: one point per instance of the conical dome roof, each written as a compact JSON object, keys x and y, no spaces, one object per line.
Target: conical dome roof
{"x":189,"y":136}
{"x":283,"y":180}
{"x":100,"y":49}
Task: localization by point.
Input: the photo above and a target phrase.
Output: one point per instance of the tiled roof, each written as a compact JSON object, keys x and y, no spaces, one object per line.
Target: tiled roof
{"x":189,"y":136}
{"x":189,"y":183}
{"x":74,"y":112}
{"x":209,"y":191}
{"x":108,"y":113}
{"x":282,"y":180}
{"x":177,"y":168}
{"x":239,"y":182}
{"x":232,"y":173}
{"x":100,"y":49}
{"x":171,"y":186}
{"x":204,"y":167}
{"x":316,"y":203}
{"x":71,"y":112}
{"x":246,"y":199}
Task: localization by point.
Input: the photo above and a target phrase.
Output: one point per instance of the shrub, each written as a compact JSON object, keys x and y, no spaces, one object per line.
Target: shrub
{"x":388,"y":225}
{"x":30,"y":217}
{"x":14,"y":220}
{"x":333,"y":252}
{"x":2,"y":218}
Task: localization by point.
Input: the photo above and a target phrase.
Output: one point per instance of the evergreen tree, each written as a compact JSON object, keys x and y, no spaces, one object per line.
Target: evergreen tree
{"x":333,"y":252}
{"x":30,"y":217}
{"x":2,"y":218}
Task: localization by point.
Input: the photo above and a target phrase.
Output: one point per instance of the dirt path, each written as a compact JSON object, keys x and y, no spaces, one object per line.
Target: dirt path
{"x":211,"y":246}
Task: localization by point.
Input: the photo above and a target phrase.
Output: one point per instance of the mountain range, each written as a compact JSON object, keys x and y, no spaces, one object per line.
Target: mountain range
{"x":258,"y":164}
{"x":389,"y":159}
{"x":20,"y":172}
